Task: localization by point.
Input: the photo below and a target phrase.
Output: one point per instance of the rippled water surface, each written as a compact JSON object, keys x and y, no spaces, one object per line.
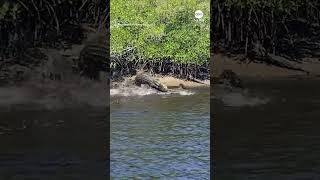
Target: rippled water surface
{"x":63,"y":144}
{"x":160,"y":136}
{"x":57,"y":134}
{"x":270,"y":131}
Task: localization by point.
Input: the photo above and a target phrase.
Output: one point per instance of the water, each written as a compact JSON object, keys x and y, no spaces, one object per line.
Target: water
{"x":58,"y":132}
{"x":160,"y":135}
{"x":269,"y":131}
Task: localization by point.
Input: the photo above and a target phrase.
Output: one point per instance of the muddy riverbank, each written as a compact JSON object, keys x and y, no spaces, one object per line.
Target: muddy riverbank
{"x":255,"y":70}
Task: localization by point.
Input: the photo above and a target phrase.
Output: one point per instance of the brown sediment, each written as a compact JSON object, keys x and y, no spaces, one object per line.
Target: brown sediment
{"x":173,"y":82}
{"x":262,"y":71}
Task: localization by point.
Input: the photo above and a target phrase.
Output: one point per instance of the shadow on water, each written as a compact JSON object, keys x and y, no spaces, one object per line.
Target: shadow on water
{"x":277,"y":139}
{"x":158,"y":135}
{"x":56,"y":131}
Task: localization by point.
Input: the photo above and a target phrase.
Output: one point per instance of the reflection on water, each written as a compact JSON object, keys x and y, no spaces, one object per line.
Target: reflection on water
{"x":274,"y":140}
{"x":160,"y":136}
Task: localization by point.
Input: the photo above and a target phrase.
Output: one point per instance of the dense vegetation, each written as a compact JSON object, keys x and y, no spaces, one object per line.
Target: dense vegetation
{"x":163,"y":35}
{"x":288,"y":28}
{"x":46,"y":23}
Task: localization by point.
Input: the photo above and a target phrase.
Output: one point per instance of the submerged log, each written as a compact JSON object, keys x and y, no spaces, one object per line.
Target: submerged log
{"x":145,"y":79}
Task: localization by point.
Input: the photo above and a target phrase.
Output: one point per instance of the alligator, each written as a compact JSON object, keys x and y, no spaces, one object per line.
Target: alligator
{"x":142,"y":78}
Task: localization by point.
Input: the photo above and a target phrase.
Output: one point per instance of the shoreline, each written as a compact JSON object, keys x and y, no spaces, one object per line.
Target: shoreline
{"x":170,"y":81}
{"x":173,"y":82}
{"x":261,"y":71}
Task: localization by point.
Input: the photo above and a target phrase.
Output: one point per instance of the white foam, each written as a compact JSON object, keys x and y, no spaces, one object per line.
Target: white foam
{"x":237,"y":99}
{"x":183,"y":92}
{"x":132,"y":91}
{"x":240,"y":98}
{"x":145,"y":91}
{"x":53,"y":95}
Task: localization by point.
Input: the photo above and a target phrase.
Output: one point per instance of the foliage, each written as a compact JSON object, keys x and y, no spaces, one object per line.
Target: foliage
{"x":161,"y":29}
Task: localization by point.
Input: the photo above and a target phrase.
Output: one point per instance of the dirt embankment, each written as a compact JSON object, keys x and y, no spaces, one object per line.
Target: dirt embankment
{"x":172,"y":82}
{"x":263,"y":71}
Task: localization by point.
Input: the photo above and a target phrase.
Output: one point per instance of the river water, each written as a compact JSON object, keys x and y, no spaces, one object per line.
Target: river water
{"x":269,"y":131}
{"x":59,"y":132}
{"x":160,"y":135}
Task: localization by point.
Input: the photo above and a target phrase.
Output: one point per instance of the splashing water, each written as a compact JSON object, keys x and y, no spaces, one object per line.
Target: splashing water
{"x":239,"y":98}
{"x":145,"y":90}
{"x":56,"y":95}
